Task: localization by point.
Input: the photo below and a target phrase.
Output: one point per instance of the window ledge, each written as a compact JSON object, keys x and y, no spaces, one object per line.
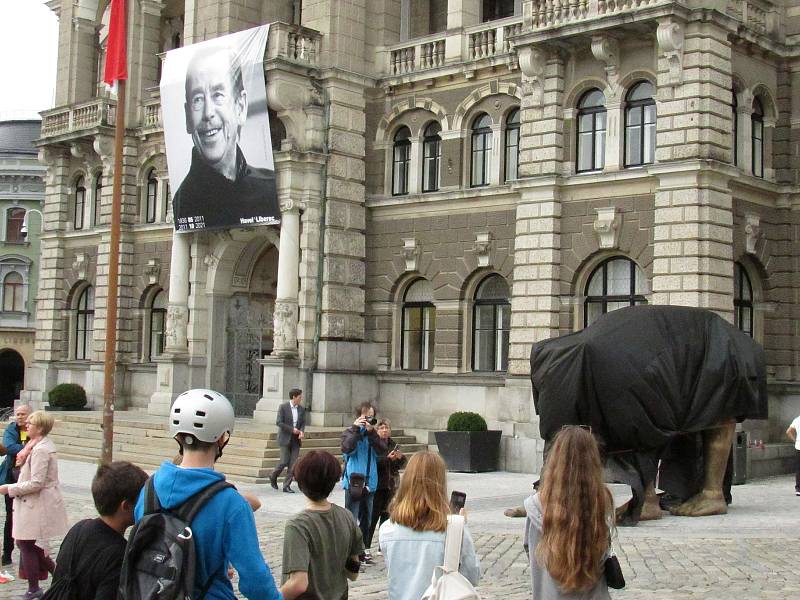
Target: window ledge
{"x":431,"y":377}
{"x":23,"y":244}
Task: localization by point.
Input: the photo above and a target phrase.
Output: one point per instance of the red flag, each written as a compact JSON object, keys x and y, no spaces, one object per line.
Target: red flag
{"x":116,"y":56}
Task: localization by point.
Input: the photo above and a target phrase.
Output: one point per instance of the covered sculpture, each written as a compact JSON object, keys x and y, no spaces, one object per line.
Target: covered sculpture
{"x":642,"y":376}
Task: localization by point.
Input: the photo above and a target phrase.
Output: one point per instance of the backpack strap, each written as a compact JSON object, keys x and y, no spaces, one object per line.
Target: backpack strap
{"x":151,"y":502}
{"x":452,"y":542}
{"x":189,"y":509}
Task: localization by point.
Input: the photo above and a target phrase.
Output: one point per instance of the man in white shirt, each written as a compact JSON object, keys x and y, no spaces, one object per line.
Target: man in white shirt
{"x":792,"y":433}
{"x":291,"y":424}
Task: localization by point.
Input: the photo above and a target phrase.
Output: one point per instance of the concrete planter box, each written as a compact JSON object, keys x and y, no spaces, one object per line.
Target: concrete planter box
{"x":50,"y":408}
{"x":469,"y":451}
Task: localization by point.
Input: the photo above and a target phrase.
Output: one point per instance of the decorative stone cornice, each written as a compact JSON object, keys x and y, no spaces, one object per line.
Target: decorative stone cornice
{"x":606,"y":49}
{"x":532,"y":62}
{"x":411,"y":253}
{"x":152,"y":271}
{"x":80,"y":265}
{"x":670,"y":43}
{"x":752,"y":232}
{"x":607,"y":226}
{"x":483,"y":246}
{"x":104,"y":147}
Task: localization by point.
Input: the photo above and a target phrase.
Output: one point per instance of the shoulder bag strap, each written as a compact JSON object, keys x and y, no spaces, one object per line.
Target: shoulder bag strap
{"x":452,"y":542}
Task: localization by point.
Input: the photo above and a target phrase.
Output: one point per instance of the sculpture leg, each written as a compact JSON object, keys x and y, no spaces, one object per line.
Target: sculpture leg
{"x":711,"y":501}
{"x":651,"y":510}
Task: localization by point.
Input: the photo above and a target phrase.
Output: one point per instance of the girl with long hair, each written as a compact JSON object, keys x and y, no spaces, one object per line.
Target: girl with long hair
{"x":567,"y":530}
{"x":412,"y":540}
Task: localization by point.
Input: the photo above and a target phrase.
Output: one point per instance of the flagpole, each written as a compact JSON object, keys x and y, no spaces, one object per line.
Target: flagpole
{"x":110,"y":358}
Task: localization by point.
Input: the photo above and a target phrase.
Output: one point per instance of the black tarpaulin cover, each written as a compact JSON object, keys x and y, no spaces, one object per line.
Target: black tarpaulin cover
{"x":641,"y":375}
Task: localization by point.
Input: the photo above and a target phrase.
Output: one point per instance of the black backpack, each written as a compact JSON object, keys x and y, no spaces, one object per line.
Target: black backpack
{"x":159,"y":561}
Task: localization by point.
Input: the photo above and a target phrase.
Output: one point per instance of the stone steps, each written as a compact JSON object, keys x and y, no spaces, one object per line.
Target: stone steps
{"x":249,"y":458}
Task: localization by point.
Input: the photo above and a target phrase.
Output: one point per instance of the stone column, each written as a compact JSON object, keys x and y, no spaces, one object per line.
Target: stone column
{"x":285,"y":331}
{"x":177,"y":309}
{"x":460,"y":14}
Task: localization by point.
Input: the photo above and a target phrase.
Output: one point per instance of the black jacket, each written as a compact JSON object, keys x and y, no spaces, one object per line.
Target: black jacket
{"x":285,"y":422}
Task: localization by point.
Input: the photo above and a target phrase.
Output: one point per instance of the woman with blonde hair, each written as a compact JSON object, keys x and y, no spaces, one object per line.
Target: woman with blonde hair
{"x":39,"y":512}
{"x":567,"y":530}
{"x":412,"y":540}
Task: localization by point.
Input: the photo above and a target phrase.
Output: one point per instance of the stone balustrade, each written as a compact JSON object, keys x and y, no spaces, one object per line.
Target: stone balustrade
{"x":760,"y":16}
{"x":78,"y":117}
{"x":486,"y":40}
{"x":293,"y":43}
{"x":151,"y":119}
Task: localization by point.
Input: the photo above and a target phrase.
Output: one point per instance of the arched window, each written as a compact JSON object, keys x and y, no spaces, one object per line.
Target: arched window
{"x":511,"y":165}
{"x":491,"y":323}
{"x":152,"y":196}
{"x":419,"y":324}
{"x":742,"y":299}
{"x":12,"y":292}
{"x":640,"y":125}
{"x":615,"y":283}
{"x":757,"y":119}
{"x":98,"y":199}
{"x":15,"y":217}
{"x":80,"y":201}
{"x":158,"y":320}
{"x":84,"y":323}
{"x":401,"y":161}
{"x":481,"y":150}
{"x":735,"y":126}
{"x":591,"y":154}
{"x":431,"y":157}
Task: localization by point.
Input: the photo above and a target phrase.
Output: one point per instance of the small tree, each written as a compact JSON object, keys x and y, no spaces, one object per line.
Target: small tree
{"x":466,"y":421}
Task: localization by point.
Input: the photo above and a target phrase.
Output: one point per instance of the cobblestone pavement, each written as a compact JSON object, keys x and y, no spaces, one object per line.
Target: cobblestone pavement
{"x":750,"y":553}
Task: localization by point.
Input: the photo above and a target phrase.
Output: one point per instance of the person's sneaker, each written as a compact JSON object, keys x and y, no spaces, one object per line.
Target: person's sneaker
{"x":3,"y":579}
{"x":797,"y":492}
{"x":367,"y":558}
{"x":32,"y":595}
{"x":7,"y":576}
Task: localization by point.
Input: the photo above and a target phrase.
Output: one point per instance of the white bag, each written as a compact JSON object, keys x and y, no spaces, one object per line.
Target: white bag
{"x":447,"y":583}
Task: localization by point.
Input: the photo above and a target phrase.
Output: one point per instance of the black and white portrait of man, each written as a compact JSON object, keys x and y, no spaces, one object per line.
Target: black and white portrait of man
{"x":227,"y":182}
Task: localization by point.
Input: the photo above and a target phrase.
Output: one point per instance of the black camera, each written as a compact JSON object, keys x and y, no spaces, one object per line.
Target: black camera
{"x":371,"y":420}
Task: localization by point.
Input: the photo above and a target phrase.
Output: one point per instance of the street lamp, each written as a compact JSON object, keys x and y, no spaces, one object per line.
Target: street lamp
{"x":24,"y":229}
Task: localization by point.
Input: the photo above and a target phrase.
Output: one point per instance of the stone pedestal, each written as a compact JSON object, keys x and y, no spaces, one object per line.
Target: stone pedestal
{"x":280,"y":375}
{"x":39,"y":378}
{"x":174,"y":378}
{"x":345,"y":377}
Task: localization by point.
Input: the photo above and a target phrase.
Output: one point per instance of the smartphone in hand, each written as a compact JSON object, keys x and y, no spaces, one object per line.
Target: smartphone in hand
{"x":457,"y":501}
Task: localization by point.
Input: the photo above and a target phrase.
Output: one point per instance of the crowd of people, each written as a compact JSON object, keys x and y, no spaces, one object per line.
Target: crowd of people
{"x":568,"y":529}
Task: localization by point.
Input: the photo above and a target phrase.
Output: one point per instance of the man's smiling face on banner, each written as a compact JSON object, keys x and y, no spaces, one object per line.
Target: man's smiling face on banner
{"x":215,"y":109}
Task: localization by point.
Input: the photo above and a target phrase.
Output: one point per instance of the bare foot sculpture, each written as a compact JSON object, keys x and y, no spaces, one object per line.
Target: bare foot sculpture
{"x":651,"y":510}
{"x":710,"y":500}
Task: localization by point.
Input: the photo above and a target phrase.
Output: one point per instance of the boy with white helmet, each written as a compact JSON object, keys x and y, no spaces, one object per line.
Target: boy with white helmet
{"x":224,"y":530}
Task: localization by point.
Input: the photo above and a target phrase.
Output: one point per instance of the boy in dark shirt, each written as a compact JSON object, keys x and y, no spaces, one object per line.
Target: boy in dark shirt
{"x":92,"y":550}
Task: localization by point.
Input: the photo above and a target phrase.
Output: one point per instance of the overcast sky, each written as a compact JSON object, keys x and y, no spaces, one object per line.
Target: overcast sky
{"x":28,"y":52}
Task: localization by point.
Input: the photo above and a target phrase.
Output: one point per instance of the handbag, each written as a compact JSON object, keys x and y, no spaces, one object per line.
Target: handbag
{"x":447,"y":583}
{"x":358,"y":481}
{"x":613,"y":571}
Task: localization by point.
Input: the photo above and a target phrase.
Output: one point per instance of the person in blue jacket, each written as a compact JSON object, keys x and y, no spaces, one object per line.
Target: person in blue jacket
{"x":361,"y":446}
{"x":14,"y":438}
{"x":225,"y":534}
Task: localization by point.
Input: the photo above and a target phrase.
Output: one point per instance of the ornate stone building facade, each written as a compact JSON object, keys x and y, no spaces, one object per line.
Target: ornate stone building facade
{"x":21,"y":193}
{"x":458,"y":180}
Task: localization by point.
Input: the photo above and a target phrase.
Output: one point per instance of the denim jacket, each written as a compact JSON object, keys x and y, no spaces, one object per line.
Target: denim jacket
{"x":411,"y":557}
{"x":13,"y":444}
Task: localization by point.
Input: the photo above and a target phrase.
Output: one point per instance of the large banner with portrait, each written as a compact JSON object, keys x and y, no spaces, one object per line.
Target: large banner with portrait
{"x":216,"y":129}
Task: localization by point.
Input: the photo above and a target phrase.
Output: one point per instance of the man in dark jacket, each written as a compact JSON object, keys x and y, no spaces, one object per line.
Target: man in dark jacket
{"x":90,"y":557}
{"x":291,"y":424}
{"x":361,"y":447}
{"x":14,"y":438}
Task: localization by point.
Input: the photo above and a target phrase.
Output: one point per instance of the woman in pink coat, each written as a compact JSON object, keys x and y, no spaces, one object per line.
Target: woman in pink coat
{"x":39,"y":512}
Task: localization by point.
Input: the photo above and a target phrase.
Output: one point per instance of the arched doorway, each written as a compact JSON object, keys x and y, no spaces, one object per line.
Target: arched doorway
{"x":12,"y":376}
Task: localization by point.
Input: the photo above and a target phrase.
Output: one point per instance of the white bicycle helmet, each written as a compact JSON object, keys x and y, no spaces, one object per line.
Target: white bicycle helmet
{"x":205,"y":414}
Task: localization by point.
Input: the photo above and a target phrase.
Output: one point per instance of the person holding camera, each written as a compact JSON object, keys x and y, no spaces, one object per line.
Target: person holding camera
{"x":361,"y":445}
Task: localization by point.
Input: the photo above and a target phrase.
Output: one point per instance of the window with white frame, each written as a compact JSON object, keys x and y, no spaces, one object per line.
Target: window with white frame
{"x":418,"y":327}
{"x":591,"y":132}
{"x":15,"y":217}
{"x":431,"y":157}
{"x":401,"y":160}
{"x":79,"y":203}
{"x":151,"y":197}
{"x":481,"y":150}
{"x":640,"y":125}
{"x":12,"y":292}
{"x":84,"y":323}
{"x":742,"y":299}
{"x":615,"y":283}
{"x":511,"y":162}
{"x":98,"y":199}
{"x":757,"y":120}
{"x":491,"y":324}
{"x":157,"y":320}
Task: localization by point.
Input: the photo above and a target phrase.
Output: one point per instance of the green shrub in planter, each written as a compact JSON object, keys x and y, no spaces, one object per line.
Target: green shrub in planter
{"x":68,"y":396}
{"x":466,"y":421}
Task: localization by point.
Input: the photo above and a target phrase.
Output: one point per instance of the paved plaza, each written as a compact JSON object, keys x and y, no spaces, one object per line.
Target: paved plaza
{"x":753,"y":552}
